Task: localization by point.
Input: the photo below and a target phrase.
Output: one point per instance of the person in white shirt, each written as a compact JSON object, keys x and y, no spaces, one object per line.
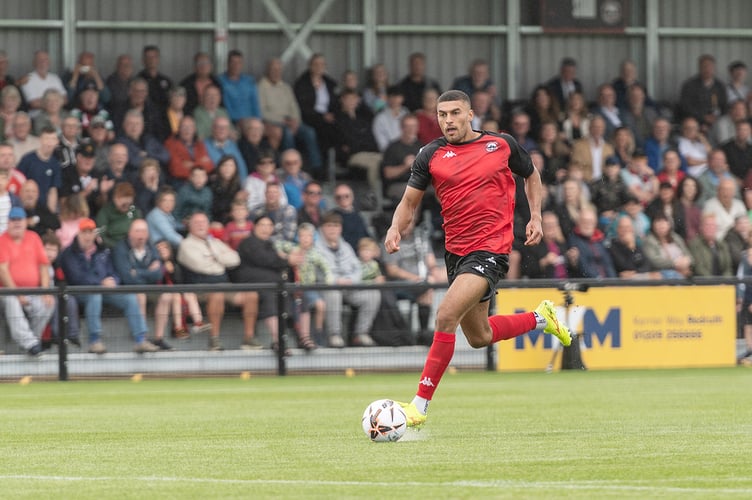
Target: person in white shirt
{"x":39,"y":80}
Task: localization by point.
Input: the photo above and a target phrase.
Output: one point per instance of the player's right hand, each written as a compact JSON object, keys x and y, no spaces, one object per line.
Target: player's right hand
{"x":393,"y":237}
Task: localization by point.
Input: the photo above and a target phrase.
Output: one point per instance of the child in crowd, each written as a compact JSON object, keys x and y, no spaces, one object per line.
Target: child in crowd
{"x":368,"y":253}
{"x":194,"y":196}
{"x":182,"y":302}
{"x":51,"y":334}
{"x":239,"y":227}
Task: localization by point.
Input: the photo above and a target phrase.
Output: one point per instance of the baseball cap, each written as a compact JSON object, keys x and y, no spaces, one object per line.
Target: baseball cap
{"x":612,"y":160}
{"x":86,"y":149}
{"x":98,"y":121}
{"x":17,"y":213}
{"x":90,"y":85}
{"x":87,"y":224}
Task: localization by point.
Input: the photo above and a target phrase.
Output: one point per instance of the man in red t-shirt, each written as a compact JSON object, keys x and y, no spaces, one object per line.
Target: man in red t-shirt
{"x":24,"y":264}
{"x":472,"y":175}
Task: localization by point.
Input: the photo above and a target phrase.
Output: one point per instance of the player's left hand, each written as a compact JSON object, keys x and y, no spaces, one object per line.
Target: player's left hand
{"x":534,"y":232}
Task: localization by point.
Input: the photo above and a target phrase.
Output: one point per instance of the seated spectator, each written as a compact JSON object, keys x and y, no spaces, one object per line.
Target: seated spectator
{"x":24,"y":264}
{"x":39,"y":80}
{"x":737,"y":240}
{"x":173,"y":274}
{"x":51,"y":114}
{"x":520,"y":130}
{"x":311,"y":212}
{"x":73,"y":209}
{"x":147,"y":185}
{"x":253,"y":141}
{"x":555,"y":153}
{"x":541,"y":108}
{"x":284,"y":216}
{"x":261,"y":262}
{"x":670,"y":173}
{"x":38,"y":217}
{"x":416,"y":263}
{"x":398,"y":159}
{"x":736,"y":88}
{"x":79,"y":178}
{"x":140,"y":101}
{"x":640,"y":178}
{"x":703,"y":96}
{"x":89,"y":108}
{"x":255,"y":184}
{"x":576,"y":122}
{"x":357,"y":148}
{"x":208,"y":110}
{"x":353,"y":225}
{"x":624,"y":82}
{"x":23,"y":141}
{"x":294,"y":179}
{"x":483,"y":109}
{"x":725,"y":206}
{"x":592,"y":151}
{"x":626,"y":252}
{"x":694,"y":147}
{"x":609,"y":193}
{"x":220,"y":144}
{"x":573,"y":201}
{"x":738,"y":150}
{"x":416,"y":82}
{"x":428,"y":122}
{"x":7,"y":200}
{"x":565,"y":83}
{"x":624,"y":145}
{"x":634,"y":210}
{"x":201,"y":78}
{"x":744,"y":301}
{"x":666,"y":251}
{"x":279,"y":106}
{"x":717,"y":170}
{"x":239,"y":91}
{"x":195,"y":196}
{"x":174,"y":113}
{"x":42,"y":167}
{"x":316,"y":95}
{"x":206,"y":260}
{"x":725,"y":127}
{"x":593,"y":261}
{"x":137,"y":262}
{"x":85,"y":262}
{"x":239,"y":227}
{"x":374,"y":93}
{"x":386,"y":124}
{"x":10,"y":104}
{"x":186,"y":151}
{"x":552,"y":258}
{"x":163,"y":226}
{"x":70,"y":137}
{"x":8,"y":164}
{"x":658,"y":142}
{"x":668,"y":204}
{"x":117,"y":82}
{"x":687,"y":192}
{"x":224,"y":187}
{"x":140,"y":144}
{"x":346,"y":270}
{"x":116,"y":216}
{"x":99,"y":138}
{"x":118,"y":171}
{"x":606,"y":107}
{"x":710,"y":255}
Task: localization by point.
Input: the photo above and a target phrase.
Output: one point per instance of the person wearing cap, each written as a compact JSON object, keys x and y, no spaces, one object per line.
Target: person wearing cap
{"x":79,"y":179}
{"x":24,"y":264}
{"x":387,"y":124}
{"x":88,"y":108}
{"x":85,"y":262}
{"x":737,"y":88}
{"x":7,"y":200}
{"x":609,"y":193}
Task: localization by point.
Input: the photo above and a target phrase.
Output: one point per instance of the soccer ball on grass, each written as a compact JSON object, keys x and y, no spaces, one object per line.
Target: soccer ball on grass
{"x":384,"y":420}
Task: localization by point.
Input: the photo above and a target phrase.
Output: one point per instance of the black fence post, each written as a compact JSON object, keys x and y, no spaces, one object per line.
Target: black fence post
{"x":62,"y":333}
{"x":281,"y":328}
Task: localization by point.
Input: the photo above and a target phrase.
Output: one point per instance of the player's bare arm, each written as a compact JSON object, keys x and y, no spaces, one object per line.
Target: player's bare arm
{"x":403,"y":215}
{"x":534,"y":192}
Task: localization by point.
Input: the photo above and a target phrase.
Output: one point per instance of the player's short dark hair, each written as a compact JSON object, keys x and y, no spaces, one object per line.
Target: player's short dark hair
{"x":454,"y":95}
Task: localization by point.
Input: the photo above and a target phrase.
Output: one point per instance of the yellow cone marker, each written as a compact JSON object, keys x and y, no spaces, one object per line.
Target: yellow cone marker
{"x":137,"y":377}
{"x":349,"y":373}
{"x":25,"y":380}
{"x":245,"y":375}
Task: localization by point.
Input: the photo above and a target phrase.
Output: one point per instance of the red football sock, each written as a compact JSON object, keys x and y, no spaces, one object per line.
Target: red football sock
{"x":509,"y":326}
{"x":439,"y":356}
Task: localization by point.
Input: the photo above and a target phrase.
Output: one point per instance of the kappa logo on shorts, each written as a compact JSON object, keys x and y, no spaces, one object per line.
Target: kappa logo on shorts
{"x":449,"y":154}
{"x":480,"y":269}
{"x":492,"y":146}
{"x":492,"y":260}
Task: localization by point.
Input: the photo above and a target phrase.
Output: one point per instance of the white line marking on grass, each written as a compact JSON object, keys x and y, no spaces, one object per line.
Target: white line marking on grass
{"x":493,"y":484}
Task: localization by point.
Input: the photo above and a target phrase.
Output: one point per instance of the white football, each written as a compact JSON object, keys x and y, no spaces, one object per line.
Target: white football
{"x":384,"y":420}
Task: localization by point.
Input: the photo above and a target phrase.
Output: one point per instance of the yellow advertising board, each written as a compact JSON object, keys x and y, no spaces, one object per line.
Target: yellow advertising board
{"x":630,"y":327}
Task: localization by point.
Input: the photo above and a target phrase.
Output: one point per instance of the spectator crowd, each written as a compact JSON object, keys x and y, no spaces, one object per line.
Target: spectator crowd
{"x":138,"y":178}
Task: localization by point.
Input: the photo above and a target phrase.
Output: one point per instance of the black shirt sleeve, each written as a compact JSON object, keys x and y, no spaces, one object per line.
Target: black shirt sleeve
{"x":519,"y":160}
{"x":420,"y":175}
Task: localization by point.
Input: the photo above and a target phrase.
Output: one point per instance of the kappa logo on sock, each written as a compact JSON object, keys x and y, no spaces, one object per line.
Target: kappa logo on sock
{"x":427,"y":382}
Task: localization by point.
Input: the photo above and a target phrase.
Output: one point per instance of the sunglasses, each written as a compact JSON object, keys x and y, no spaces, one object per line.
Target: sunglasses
{"x":316,"y":193}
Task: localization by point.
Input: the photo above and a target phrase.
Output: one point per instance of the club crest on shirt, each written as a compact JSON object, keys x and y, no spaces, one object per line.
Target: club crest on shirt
{"x":492,"y":146}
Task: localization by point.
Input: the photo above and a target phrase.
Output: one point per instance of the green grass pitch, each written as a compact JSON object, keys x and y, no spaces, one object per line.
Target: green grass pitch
{"x":622,"y":434}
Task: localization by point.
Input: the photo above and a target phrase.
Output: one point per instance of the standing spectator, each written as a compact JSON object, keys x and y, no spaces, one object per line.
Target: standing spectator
{"x":316,"y":95}
{"x":566,"y":83}
{"x":42,"y":166}
{"x":594,"y":261}
{"x":279,"y":106}
{"x":85,"y":262}
{"x":353,"y":225}
{"x":710,"y":255}
{"x":206,"y":260}
{"x":186,"y":152}
{"x":591,"y":151}
{"x":194,"y":196}
{"x":386,"y":124}
{"x":24,"y":264}
{"x":85,"y":75}
{"x":737,"y":88}
{"x":739,"y":150}
{"x":220,"y":143}
{"x":346,"y":270}
{"x":39,"y":80}
{"x":637,"y":116}
{"x":284,"y":216}
{"x":163,"y":226}
{"x":115,"y":218}
{"x":159,"y":84}
{"x":398,"y":159}
{"x":703,"y":96}
{"x":208,"y":110}
{"x":137,"y":262}
{"x":201,"y":78}
{"x":117,"y":82}
{"x":239,"y":91}
{"x":225,"y":188}
{"x":416,"y":82}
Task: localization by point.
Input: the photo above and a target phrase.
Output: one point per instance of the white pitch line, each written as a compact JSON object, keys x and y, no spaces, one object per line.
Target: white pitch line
{"x":569,"y":485}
